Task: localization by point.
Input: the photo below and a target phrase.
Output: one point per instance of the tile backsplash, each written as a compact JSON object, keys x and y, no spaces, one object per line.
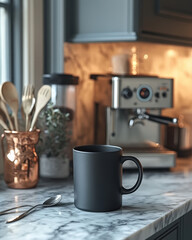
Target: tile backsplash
{"x":162,"y":60}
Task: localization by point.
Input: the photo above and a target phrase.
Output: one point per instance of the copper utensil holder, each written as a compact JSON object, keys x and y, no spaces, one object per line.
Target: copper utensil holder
{"x":21,"y":163}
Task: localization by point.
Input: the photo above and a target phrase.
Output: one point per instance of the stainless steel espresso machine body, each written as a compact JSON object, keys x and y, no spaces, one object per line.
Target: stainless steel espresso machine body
{"x":128,"y":113}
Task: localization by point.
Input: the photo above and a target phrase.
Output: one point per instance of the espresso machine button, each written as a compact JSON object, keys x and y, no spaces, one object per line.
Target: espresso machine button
{"x":157,"y":95}
{"x":127,"y":93}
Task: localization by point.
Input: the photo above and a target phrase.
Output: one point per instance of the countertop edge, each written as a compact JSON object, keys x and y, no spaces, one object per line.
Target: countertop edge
{"x":161,"y":222}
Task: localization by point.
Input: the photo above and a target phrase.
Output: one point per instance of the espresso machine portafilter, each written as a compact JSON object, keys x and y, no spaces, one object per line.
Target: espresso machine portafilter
{"x":128,"y":114}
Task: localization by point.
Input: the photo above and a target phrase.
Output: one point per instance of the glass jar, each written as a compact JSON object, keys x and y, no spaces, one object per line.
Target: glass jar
{"x":59,"y":128}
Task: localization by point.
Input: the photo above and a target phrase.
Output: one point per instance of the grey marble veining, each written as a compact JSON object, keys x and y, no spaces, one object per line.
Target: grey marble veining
{"x":161,"y":199}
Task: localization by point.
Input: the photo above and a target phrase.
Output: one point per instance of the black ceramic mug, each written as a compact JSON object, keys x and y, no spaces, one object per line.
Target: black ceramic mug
{"x":98,"y":177}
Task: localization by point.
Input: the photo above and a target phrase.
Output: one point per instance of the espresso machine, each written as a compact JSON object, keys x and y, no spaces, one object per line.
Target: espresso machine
{"x":128,"y":114}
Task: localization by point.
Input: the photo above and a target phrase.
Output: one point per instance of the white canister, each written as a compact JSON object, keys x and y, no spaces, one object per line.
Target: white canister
{"x":54,"y":167}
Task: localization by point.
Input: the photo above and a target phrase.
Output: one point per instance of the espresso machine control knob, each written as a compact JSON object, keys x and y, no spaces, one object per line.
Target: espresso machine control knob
{"x":127,"y":93}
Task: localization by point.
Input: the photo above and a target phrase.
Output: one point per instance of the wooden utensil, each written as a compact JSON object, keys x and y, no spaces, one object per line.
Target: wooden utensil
{"x":4,"y":110}
{"x":10,"y":96}
{"x":28,"y":102}
{"x":3,"y":124}
{"x":43,"y":96}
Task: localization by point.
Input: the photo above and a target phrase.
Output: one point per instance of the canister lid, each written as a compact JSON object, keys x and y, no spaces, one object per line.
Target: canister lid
{"x":60,"y":79}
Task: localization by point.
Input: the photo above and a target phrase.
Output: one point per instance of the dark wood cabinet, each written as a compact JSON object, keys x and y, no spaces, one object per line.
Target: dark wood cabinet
{"x":171,"y":232}
{"x":187,"y":226}
{"x":168,"y":21}
{"x":181,"y":229}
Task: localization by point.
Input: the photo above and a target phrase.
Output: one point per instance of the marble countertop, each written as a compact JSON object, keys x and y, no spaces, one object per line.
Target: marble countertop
{"x":162,"y":198}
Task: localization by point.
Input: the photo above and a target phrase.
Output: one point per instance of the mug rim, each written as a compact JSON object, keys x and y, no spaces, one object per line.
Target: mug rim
{"x":85,"y":148}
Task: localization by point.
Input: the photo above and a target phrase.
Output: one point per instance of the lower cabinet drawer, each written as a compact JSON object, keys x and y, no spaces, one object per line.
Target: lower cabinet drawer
{"x":181,"y":229}
{"x":171,"y":234}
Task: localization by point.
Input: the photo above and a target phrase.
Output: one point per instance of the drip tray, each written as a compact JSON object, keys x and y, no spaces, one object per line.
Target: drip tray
{"x":151,"y":158}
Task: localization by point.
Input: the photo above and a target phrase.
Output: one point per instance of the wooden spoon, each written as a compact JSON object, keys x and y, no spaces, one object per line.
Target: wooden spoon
{"x":9,"y":95}
{"x":43,"y":96}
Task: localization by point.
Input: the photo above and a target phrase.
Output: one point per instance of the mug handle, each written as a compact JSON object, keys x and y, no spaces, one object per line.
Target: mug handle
{"x":140,"y":175}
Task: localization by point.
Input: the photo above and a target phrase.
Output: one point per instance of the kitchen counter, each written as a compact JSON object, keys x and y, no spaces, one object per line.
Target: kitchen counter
{"x":162,"y":198}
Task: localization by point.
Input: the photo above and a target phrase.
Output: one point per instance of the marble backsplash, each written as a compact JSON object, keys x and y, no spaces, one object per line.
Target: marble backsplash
{"x":154,"y":59}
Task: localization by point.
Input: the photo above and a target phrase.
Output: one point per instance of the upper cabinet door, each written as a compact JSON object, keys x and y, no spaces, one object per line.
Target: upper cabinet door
{"x":100,"y":20}
{"x":170,"y":20}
